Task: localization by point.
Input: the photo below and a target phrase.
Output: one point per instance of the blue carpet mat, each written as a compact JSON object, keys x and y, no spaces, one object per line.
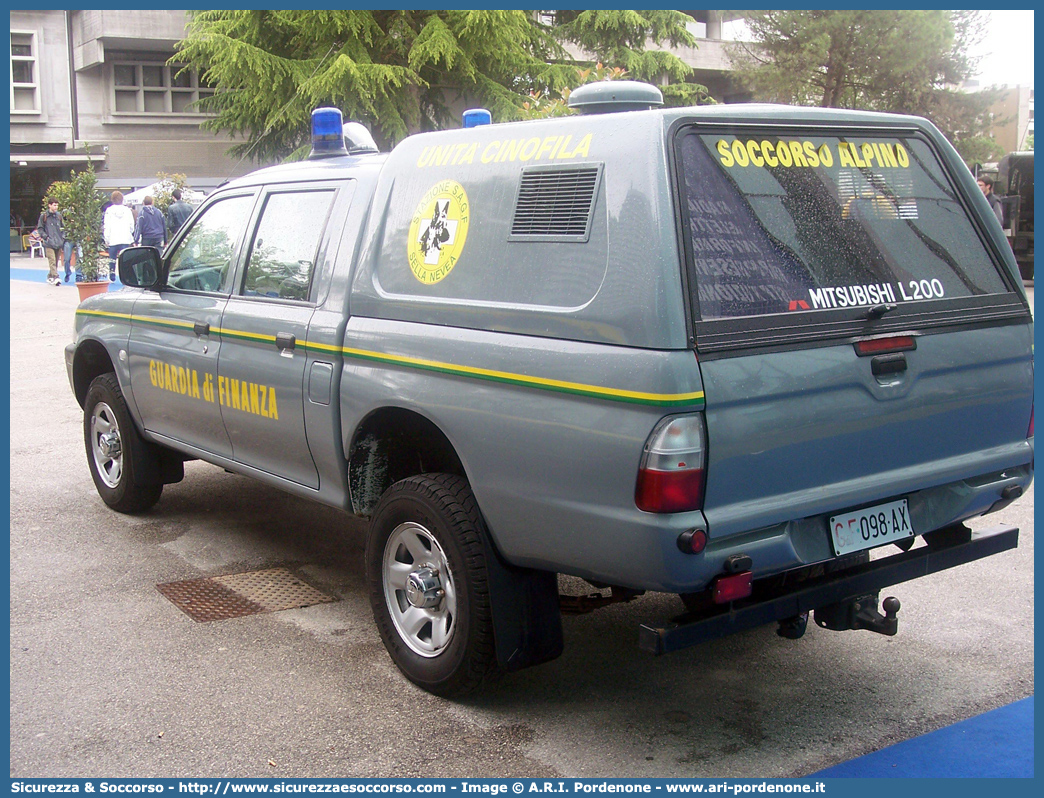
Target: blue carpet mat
{"x":40,"y":276}
{"x":995,"y":745}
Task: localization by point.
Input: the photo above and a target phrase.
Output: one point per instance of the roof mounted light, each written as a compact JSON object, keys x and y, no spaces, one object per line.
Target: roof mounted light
{"x":327,"y":135}
{"x":358,"y":139}
{"x":474,"y":117}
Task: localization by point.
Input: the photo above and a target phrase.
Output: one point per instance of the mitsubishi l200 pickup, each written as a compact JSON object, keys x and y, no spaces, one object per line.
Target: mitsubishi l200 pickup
{"x":722,"y":352}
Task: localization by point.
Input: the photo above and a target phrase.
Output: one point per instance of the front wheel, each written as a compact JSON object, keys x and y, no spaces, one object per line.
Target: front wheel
{"x":114,"y":447}
{"x":426,"y":569}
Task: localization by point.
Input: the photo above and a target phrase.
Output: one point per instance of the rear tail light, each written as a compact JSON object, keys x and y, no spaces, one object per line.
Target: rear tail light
{"x":671,"y":474}
{"x":733,"y":587}
{"x":879,"y":346}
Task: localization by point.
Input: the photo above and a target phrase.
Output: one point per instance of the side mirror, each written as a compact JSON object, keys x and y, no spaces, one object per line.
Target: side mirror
{"x":141,"y":267}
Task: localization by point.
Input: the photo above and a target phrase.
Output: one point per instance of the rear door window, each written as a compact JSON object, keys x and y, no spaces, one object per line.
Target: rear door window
{"x":780,"y":224}
{"x":284,"y":249}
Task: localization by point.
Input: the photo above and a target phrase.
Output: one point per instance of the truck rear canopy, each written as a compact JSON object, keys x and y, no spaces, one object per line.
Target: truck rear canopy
{"x":793,"y":222}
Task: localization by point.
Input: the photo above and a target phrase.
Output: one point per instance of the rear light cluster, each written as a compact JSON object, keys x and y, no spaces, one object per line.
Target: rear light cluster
{"x":879,"y":346}
{"x":671,"y":474}
{"x":732,"y":587}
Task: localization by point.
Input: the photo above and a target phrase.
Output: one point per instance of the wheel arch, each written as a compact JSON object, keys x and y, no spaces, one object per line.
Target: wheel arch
{"x":155,"y":464}
{"x":90,"y":361}
{"x":391,"y":444}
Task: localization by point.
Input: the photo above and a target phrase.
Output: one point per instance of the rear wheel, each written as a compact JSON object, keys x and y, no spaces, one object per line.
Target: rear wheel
{"x":113,"y":447}
{"x":427,"y":577}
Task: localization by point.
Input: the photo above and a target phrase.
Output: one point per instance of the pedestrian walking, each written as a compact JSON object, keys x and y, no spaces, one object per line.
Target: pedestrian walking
{"x":150,"y":229}
{"x":117,"y":229}
{"x":986,"y":186}
{"x":177,"y":214}
{"x":51,"y":230}
{"x":72,"y":252}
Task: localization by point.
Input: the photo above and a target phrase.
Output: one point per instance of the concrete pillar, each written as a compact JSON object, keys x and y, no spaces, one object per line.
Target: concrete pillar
{"x":714,"y":25}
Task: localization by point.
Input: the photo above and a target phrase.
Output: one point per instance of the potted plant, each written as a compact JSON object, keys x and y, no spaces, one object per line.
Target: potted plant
{"x":83,"y":221}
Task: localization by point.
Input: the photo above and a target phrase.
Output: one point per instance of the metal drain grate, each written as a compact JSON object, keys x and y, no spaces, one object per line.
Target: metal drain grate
{"x":218,"y":598}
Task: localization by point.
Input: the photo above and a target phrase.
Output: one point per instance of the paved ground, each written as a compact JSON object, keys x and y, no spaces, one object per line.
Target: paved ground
{"x":109,"y":679}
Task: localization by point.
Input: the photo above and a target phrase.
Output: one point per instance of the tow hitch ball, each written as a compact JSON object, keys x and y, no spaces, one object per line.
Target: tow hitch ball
{"x":860,"y":612}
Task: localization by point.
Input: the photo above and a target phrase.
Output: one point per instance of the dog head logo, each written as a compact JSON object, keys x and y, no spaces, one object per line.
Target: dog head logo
{"x":438,"y":231}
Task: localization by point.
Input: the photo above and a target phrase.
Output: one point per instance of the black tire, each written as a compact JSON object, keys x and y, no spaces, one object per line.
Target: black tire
{"x":115,"y":448}
{"x":443,"y":643}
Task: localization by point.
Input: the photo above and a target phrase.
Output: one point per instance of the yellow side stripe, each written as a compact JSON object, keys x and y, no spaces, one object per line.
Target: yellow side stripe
{"x":537,"y":382}
{"x":618,"y":394}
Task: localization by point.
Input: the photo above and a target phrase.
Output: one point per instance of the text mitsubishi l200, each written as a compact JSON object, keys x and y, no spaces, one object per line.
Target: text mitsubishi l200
{"x":723,"y":352}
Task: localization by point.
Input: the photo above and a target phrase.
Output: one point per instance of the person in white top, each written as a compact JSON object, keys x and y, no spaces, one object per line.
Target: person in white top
{"x":117,"y":229}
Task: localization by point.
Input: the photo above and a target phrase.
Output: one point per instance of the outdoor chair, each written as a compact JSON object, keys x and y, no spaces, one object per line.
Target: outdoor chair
{"x":35,"y":247}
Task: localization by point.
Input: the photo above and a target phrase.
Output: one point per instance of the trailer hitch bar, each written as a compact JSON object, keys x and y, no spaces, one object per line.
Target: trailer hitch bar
{"x":856,"y":586}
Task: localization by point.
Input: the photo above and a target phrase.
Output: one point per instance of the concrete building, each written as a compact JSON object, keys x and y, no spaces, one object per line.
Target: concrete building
{"x":711,"y":60}
{"x":96,"y":86}
{"x":1014,"y":113}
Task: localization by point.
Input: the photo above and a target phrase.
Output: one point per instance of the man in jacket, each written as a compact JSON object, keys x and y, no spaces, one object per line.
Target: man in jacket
{"x":151,"y":228}
{"x":51,"y":232}
{"x":117,"y":229}
{"x":177,"y":214}
{"x":986,"y":186}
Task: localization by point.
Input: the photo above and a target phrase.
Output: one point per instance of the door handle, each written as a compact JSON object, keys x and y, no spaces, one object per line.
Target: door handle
{"x":888,"y":364}
{"x":285,"y":341}
{"x":200,"y":328}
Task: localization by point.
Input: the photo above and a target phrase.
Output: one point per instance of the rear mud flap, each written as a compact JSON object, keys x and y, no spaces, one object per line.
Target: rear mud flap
{"x":774,"y":605}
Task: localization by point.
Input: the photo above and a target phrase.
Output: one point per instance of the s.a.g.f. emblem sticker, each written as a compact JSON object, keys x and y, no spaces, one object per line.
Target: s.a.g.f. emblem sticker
{"x":438,"y":231}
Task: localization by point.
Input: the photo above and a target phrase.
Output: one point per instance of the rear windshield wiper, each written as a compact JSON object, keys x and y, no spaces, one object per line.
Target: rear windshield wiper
{"x":877,"y":311}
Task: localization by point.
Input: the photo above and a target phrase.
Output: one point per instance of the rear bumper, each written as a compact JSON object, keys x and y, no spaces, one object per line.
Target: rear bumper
{"x":768,"y":606}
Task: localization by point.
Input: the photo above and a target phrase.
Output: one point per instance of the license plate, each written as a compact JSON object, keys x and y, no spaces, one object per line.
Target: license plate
{"x":870,"y":527}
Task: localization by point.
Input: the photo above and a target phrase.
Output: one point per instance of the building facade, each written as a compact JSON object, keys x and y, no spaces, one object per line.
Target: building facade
{"x":1014,"y":115}
{"x":97,"y":86}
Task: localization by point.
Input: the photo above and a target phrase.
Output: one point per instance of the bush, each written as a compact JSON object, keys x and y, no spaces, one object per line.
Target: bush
{"x":167,"y":183}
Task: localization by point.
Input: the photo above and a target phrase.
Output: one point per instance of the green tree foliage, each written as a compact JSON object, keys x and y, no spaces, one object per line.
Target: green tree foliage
{"x":619,"y":38}
{"x":980,"y":150}
{"x":164,"y":195}
{"x":899,"y":61}
{"x":542,"y":105}
{"x":401,"y":71}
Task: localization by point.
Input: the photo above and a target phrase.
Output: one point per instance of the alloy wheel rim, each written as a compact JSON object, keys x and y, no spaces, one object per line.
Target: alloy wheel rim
{"x":106,"y":446}
{"x":419,"y":589}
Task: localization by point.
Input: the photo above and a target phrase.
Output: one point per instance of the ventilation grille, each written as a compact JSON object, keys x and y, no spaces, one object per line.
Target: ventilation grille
{"x":556,"y":203}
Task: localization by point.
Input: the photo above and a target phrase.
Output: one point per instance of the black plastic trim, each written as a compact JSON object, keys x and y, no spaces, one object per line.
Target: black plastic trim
{"x":794,"y":330}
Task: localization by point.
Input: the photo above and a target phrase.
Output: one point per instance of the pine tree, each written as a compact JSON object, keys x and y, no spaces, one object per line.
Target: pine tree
{"x":910,"y":62}
{"x":400,"y":71}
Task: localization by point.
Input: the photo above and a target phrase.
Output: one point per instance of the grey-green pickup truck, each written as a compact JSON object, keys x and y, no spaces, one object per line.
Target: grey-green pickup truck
{"x":722,"y":352}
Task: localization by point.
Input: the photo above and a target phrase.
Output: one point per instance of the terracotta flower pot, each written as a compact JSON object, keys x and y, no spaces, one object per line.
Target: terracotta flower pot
{"x":92,"y":288}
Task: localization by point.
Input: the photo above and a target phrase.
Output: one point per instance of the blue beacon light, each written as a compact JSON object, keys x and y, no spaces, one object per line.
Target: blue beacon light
{"x":476,"y":117}
{"x":327,"y":133}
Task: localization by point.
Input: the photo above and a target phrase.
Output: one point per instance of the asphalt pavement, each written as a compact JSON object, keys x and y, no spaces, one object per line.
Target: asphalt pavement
{"x":109,"y":678}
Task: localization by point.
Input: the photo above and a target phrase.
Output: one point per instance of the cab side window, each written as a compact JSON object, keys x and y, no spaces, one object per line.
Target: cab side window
{"x":203,"y":259}
{"x":285,"y":246}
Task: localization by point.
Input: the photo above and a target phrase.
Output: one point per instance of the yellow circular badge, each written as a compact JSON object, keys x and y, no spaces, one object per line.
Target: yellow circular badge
{"x":438,"y":231}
